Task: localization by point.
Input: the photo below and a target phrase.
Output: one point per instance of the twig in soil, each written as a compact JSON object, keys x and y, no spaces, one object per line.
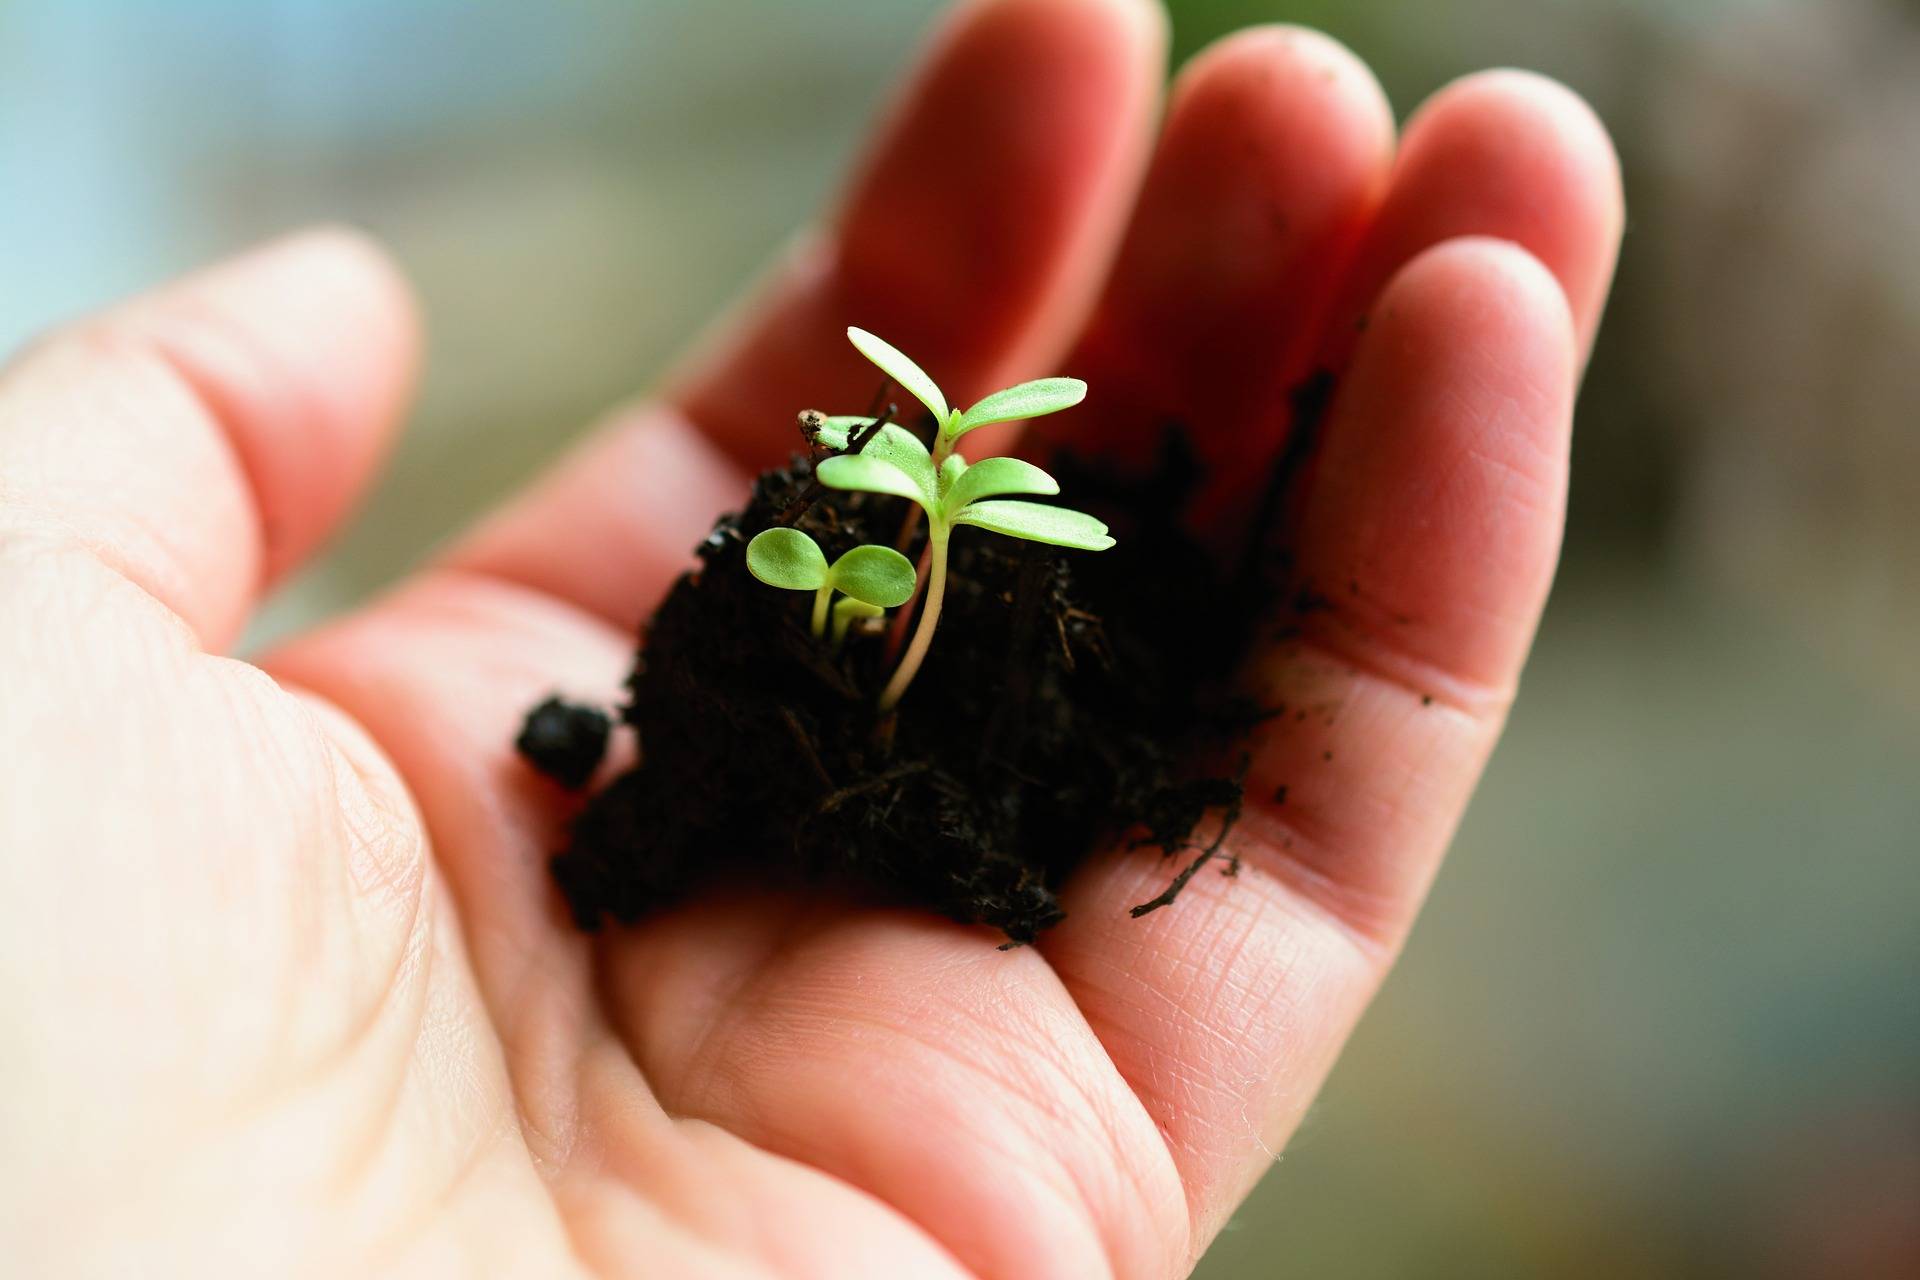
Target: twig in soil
{"x":878,"y":782}
{"x":807,"y":748}
{"x":811,"y":494}
{"x":1229,"y":817}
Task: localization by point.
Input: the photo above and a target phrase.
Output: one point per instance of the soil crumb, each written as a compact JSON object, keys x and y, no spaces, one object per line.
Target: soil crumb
{"x":565,"y":740}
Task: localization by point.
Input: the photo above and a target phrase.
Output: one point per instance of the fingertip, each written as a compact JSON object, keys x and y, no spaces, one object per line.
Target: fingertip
{"x":337,"y":266}
{"x":1490,"y":292}
{"x":307,"y":346}
{"x":1546,"y":169}
{"x":973,"y":235}
{"x":1514,"y":94}
{"x":1272,"y":163}
{"x":1268,"y":59}
{"x":1043,"y":103}
{"x":1439,"y":494}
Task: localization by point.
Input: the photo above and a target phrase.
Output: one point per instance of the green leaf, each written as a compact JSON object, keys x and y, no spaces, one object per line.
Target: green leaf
{"x":903,"y":449}
{"x":1028,"y":400}
{"x":880,"y":576}
{"x":911,"y":377}
{"x":991,"y":476}
{"x":787,"y":558}
{"x":950,"y":472}
{"x":1037,"y":523}
{"x":868,"y":474}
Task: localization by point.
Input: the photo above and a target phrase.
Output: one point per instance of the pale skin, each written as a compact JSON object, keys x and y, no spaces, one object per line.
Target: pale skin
{"x":283,"y":987}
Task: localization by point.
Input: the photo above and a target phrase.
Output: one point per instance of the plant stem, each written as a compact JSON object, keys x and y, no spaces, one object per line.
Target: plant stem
{"x":897,"y":628}
{"x":820,"y":600}
{"x":929,"y":616}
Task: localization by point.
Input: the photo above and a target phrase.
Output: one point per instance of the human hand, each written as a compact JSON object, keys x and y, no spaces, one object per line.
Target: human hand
{"x":286,"y":986}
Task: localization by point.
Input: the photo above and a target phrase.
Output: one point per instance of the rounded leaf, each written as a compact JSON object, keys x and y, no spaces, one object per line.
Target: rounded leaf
{"x":787,"y":558}
{"x":990,"y":477}
{"x":1028,"y":400}
{"x":903,"y":449}
{"x":880,"y":576}
{"x":1036,"y":522}
{"x":867,"y":474}
{"x":950,"y":471}
{"x":911,"y":377}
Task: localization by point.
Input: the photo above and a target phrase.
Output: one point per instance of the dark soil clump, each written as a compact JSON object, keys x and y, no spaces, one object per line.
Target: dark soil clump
{"x":564,"y":740}
{"x":1067,"y":697}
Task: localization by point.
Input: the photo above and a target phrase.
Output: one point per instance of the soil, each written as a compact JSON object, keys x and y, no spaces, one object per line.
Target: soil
{"x":1068,"y":698}
{"x":565,"y":741}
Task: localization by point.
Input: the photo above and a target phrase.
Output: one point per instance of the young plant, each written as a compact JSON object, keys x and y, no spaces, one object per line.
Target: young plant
{"x":950,"y":491}
{"x":1027,"y":400}
{"x":846,"y":612}
{"x":877,"y":578}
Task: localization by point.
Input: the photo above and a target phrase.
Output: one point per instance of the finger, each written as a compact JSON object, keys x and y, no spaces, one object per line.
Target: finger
{"x":204,"y":438}
{"x":1274,"y":157}
{"x":972,"y":236}
{"x":1431,"y":527}
{"x":907,"y":1057}
{"x":1506,"y":154}
{"x":613,"y":523}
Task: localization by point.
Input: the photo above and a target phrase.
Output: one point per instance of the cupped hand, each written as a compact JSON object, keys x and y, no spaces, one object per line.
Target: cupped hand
{"x":286,"y":989}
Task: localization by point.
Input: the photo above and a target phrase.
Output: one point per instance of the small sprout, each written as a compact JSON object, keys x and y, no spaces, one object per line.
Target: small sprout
{"x":878,"y":577}
{"x":847,"y":611}
{"x":1028,"y":400}
{"x":949,"y":490}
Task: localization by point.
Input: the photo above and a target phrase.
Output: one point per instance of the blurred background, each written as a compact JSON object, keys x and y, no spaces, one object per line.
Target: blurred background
{"x":1662,"y":1017}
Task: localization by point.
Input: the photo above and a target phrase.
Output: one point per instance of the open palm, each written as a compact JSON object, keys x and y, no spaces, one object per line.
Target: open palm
{"x":285,"y":986}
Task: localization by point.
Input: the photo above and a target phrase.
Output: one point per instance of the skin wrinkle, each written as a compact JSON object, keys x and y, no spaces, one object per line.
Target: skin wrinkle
{"x":550,"y":1108}
{"x":415,"y":962}
{"x":1365,"y":653}
{"x":448,"y":597}
{"x":598,"y":1192}
{"x":1218,"y":997}
{"x":364,"y":1027}
{"x":1276,"y":846}
{"x":1107,"y":1121}
{"x":1057,"y":1179}
{"x":702,"y":1215}
{"x":712,"y":1067}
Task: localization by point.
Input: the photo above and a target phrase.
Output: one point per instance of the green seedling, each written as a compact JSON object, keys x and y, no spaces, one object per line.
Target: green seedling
{"x":1028,"y":400}
{"x":950,"y":492}
{"x":878,"y":578}
{"x":847,"y":611}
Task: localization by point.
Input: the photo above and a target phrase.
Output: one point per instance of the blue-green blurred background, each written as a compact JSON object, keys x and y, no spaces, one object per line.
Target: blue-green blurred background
{"x":1663,"y":1015}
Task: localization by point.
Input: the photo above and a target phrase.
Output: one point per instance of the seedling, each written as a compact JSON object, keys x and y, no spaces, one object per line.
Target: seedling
{"x":947,"y":489}
{"x":878,"y":578}
{"x":846,"y":612}
{"x":1027,"y":400}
